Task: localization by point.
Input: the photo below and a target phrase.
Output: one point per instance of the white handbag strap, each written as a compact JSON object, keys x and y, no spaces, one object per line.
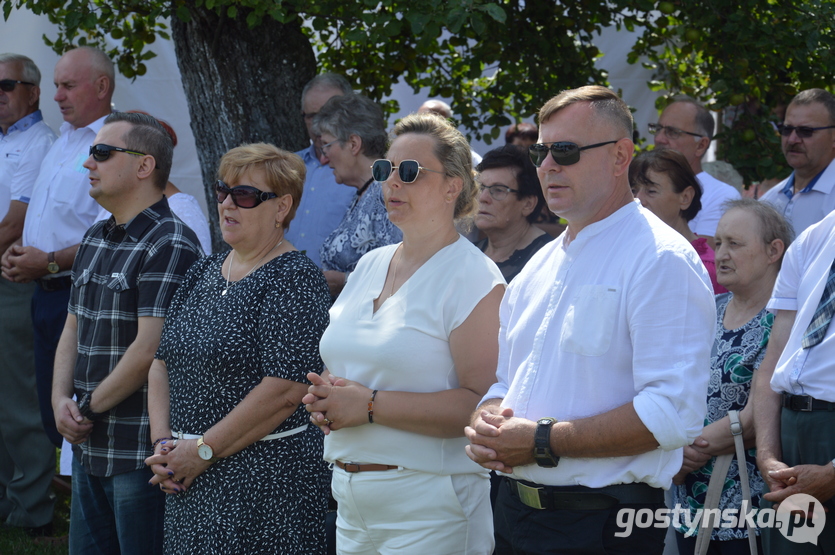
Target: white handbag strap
{"x":717,"y":482}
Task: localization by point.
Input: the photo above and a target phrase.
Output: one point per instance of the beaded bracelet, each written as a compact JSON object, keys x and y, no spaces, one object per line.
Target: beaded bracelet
{"x":371,"y":407}
{"x":154,"y":446}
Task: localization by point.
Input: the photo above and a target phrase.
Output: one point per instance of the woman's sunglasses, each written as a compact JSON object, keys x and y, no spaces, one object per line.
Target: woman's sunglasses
{"x":244,"y":196}
{"x":563,"y":152}
{"x":408,"y":170}
{"x":100,"y":153}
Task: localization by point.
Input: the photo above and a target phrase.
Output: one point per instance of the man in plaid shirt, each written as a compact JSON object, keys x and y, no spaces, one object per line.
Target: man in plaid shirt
{"x":124,"y":277}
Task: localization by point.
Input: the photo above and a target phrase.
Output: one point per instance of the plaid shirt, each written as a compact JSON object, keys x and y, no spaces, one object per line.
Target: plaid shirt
{"x":122,"y":273}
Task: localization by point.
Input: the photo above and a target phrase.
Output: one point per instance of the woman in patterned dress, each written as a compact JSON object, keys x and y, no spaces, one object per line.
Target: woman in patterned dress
{"x":233,"y":446}
{"x":750,"y":241}
{"x":353,"y":135}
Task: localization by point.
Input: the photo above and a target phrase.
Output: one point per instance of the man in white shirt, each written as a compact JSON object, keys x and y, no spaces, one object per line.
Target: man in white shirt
{"x":61,"y":209}
{"x":27,"y":457}
{"x":687,"y":127}
{"x":808,"y":141}
{"x":603,"y":342}
{"x":324,"y":201}
{"x":794,"y":388}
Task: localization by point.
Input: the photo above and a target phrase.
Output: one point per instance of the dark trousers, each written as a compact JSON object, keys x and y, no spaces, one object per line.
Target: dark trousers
{"x":49,"y":313}
{"x":522,"y":530}
{"x":687,"y":546}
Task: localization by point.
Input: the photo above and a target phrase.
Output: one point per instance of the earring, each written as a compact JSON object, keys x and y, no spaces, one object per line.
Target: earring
{"x":278,"y":224}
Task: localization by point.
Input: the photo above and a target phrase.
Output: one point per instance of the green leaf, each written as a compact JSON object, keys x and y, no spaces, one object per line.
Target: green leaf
{"x":183,"y":14}
{"x":232,"y":12}
{"x":418,"y":21}
{"x":456,"y":20}
{"x":478,"y":24}
{"x":496,"y":12}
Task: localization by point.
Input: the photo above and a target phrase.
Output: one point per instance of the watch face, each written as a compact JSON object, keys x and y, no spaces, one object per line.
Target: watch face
{"x":547,"y":420}
{"x":52,"y":267}
{"x":204,"y":452}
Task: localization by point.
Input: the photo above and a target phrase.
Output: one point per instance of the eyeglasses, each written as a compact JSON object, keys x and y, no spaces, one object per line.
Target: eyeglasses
{"x":327,"y":146}
{"x":408,"y":170}
{"x":671,"y":132}
{"x":8,"y":85}
{"x":563,"y":152}
{"x":244,"y":196}
{"x":498,"y":192}
{"x":803,"y":132}
{"x":100,"y":153}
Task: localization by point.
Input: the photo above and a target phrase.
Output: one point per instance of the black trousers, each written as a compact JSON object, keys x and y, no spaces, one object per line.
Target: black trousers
{"x":521,"y":530}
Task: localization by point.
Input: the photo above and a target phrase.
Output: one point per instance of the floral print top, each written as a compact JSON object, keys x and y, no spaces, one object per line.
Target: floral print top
{"x":365,"y":227}
{"x":734,"y":357}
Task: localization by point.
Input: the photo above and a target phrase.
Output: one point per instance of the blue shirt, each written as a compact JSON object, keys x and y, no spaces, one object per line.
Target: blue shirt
{"x":323,"y":205}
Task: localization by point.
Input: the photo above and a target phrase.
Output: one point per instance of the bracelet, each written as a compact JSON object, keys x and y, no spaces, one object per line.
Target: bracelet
{"x":154,"y":446}
{"x":371,"y":407}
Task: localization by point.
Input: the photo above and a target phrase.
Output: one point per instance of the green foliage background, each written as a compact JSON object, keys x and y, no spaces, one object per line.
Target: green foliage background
{"x":751,"y":55}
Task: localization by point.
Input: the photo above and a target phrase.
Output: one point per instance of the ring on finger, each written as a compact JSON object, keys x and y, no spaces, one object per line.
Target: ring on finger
{"x":328,"y":421}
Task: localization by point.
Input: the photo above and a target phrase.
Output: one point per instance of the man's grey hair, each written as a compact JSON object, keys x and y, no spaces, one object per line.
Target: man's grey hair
{"x":101,"y":63}
{"x":809,"y":96}
{"x":704,"y":119}
{"x":148,"y":136}
{"x":30,"y":74}
{"x":354,"y":114}
{"x":328,"y":81}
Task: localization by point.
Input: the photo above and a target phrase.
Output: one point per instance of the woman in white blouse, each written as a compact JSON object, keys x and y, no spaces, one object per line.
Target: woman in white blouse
{"x":411,"y":348}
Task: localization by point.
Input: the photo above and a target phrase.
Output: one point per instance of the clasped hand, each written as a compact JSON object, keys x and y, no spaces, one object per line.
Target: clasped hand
{"x":335,"y":403}
{"x":176,"y":464}
{"x":498,"y":440}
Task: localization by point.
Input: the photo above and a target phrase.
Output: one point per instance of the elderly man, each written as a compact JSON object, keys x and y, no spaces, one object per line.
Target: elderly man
{"x":604,"y":338}
{"x":324,"y":201}
{"x":126,"y":271}
{"x":808,"y":140}
{"x":27,"y":458}
{"x":60,"y":210}
{"x":687,"y":127}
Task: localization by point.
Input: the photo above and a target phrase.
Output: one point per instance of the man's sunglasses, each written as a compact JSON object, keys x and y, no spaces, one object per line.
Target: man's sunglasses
{"x":563,"y":152}
{"x":8,"y":85}
{"x":671,"y":132}
{"x":100,"y":153}
{"x":244,"y":196}
{"x":803,"y":132}
{"x":408,"y":170}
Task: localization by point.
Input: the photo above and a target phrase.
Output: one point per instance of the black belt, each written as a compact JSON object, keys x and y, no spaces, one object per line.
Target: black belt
{"x":805,"y":403}
{"x":581,"y":498}
{"x":51,"y":285}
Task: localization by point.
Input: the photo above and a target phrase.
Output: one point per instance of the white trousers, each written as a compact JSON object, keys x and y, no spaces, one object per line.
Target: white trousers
{"x":409,"y":512}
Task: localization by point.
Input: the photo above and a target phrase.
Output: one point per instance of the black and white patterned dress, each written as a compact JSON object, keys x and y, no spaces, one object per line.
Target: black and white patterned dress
{"x":270,"y":497}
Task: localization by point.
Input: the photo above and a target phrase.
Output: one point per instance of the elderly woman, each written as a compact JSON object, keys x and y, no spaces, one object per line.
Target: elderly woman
{"x":750,"y":241}
{"x":233,"y":445}
{"x":509,"y":201}
{"x":411,"y":348}
{"x":353,"y":135}
{"x":666,"y":185}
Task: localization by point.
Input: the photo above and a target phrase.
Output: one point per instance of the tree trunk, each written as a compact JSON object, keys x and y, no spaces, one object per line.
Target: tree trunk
{"x":243,"y":86}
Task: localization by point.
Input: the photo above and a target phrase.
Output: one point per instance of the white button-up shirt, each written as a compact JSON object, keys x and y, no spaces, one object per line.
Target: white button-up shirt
{"x":323,"y":205}
{"x":714,"y":195}
{"x":22,"y":149}
{"x":804,"y":209}
{"x":624,"y":313}
{"x":799,"y":287}
{"x":61,"y":209}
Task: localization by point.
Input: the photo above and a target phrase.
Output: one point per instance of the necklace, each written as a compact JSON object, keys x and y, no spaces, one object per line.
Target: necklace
{"x":232,"y":261}
{"x":394,"y":274}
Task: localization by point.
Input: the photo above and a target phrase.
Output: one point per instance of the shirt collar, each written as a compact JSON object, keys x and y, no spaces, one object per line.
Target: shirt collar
{"x":95,"y":126}
{"x":136,"y":227}
{"x":788,"y":189}
{"x":25,"y":122}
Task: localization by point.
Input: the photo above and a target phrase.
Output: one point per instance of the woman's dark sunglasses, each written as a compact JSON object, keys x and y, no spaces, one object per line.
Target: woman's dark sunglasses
{"x":563,"y":152}
{"x":244,"y":196}
{"x":408,"y":170}
{"x":8,"y":85}
{"x":100,"y":153}
{"x":803,"y":132}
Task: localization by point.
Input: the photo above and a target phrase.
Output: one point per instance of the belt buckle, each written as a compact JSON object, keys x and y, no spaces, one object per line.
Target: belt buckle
{"x":529,"y":496}
{"x":808,"y":407}
{"x":351,"y":467}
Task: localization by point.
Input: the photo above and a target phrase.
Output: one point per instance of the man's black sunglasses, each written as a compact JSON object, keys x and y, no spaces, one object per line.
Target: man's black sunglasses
{"x":244,"y":196}
{"x":8,"y":85}
{"x":803,"y":132}
{"x":100,"y":153}
{"x":563,"y":152}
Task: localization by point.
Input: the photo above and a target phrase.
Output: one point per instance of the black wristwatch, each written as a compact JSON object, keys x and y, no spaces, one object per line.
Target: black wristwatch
{"x":542,"y":453}
{"x":84,"y":408}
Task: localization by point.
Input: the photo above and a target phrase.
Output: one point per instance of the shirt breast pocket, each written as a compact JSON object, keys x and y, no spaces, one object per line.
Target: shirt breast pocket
{"x":119,"y":282}
{"x":590,"y":321}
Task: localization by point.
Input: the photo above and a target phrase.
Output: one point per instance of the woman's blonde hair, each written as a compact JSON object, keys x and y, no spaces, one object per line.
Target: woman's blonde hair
{"x":451,"y":149}
{"x":283,"y":170}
